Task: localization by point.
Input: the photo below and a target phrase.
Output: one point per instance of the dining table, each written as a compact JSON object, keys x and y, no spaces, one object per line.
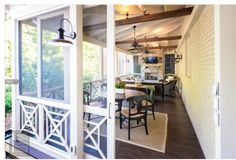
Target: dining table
{"x":159,"y":85}
{"x":119,"y":97}
{"x":146,"y":87}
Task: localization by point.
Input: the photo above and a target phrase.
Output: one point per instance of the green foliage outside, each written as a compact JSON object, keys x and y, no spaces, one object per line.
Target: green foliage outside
{"x":8,"y":99}
{"x":52,"y":64}
{"x":28,"y":58}
{"x":91,"y":62}
{"x":52,"y":61}
{"x":8,"y":90}
{"x":8,"y":59}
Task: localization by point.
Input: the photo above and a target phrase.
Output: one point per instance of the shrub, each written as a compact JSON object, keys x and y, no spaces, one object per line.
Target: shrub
{"x":8,"y":99}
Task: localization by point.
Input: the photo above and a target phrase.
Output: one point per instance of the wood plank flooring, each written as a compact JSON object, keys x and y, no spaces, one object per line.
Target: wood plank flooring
{"x":182,"y":141}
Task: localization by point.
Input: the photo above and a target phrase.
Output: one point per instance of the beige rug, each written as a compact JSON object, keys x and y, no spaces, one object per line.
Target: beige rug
{"x":157,"y":133}
{"x":155,"y":140}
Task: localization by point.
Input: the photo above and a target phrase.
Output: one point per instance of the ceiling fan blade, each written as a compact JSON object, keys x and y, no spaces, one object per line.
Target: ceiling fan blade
{"x":140,"y":45}
{"x":132,"y":49}
{"x":134,"y":52}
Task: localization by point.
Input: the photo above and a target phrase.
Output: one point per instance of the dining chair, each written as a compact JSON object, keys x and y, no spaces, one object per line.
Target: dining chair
{"x":86,"y":101}
{"x":135,"y":111}
{"x":149,"y":104}
{"x":169,"y":88}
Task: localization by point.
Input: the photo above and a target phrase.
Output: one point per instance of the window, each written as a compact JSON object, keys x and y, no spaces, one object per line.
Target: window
{"x":129,"y":64}
{"x":170,"y":64}
{"x":28,"y":57}
{"x":137,"y":66}
{"x":43,"y":67}
{"x":121,"y":64}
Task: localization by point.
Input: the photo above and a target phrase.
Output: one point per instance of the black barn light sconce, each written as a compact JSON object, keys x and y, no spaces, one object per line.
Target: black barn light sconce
{"x":61,"y":41}
{"x":178,"y":58}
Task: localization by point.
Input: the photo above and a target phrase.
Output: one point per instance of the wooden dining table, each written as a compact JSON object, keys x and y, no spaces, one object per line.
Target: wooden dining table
{"x":119,"y":98}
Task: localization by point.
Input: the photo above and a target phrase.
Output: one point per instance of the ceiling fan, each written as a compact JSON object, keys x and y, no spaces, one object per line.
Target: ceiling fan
{"x":135,"y":44}
{"x":146,"y":50}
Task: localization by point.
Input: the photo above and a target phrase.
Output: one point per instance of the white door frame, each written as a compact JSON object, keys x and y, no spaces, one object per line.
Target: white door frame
{"x":111,"y":81}
{"x":76,"y":80}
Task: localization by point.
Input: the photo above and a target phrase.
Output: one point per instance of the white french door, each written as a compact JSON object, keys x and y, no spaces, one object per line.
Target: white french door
{"x":48,"y":112}
{"x":99,"y":117}
{"x":42,"y":112}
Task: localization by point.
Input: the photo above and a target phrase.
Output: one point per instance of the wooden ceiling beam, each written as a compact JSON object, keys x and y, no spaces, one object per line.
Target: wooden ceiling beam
{"x":156,"y":47}
{"x":144,"y":18}
{"x":154,"y":39}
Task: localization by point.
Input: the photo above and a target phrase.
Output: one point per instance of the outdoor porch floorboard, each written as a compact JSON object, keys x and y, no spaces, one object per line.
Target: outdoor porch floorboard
{"x":182,"y":141}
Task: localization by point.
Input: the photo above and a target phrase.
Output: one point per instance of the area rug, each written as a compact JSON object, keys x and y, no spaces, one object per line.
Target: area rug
{"x":156,"y":138}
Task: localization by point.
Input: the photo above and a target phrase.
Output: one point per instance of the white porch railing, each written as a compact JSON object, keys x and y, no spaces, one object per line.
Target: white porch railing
{"x":45,"y":122}
{"x":94,"y":88}
{"x":94,"y":138}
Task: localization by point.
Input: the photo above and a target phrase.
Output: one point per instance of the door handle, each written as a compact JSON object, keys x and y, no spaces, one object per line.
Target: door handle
{"x":109,"y":111}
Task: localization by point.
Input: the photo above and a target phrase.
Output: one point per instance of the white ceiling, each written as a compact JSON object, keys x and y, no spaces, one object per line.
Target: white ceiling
{"x":158,"y":28}
{"x":94,"y":14}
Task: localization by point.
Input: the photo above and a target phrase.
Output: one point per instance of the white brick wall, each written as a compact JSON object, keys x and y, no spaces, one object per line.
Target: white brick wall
{"x":197,"y":89}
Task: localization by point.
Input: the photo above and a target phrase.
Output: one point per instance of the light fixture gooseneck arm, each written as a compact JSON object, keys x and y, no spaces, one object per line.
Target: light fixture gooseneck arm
{"x":72,"y":33}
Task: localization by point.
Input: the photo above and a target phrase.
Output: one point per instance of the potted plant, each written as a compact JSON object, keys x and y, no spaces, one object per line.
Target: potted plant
{"x":120,"y":87}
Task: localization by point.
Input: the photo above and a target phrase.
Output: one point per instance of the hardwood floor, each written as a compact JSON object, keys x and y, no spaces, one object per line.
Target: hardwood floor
{"x":181,"y":142}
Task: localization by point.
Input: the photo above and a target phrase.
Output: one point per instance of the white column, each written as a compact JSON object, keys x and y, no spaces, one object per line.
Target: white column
{"x":15,"y":75}
{"x":111,"y":81}
{"x":76,"y":82}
